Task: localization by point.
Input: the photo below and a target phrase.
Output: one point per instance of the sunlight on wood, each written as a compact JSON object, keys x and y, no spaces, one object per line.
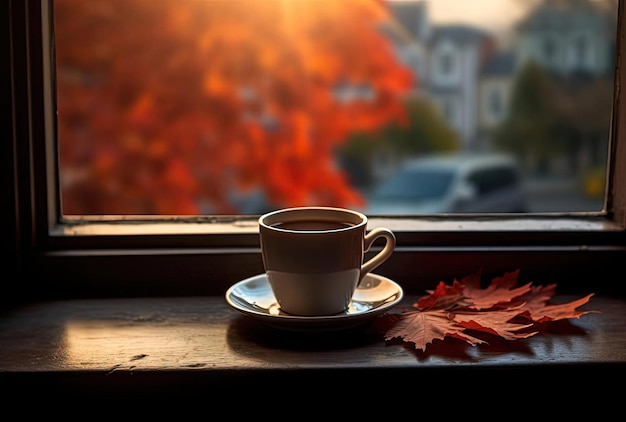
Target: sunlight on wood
{"x":155,"y":343}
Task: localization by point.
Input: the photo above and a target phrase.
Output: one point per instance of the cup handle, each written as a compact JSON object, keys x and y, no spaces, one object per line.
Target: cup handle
{"x":382,"y":256}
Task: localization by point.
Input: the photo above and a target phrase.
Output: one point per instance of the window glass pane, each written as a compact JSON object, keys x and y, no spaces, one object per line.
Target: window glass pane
{"x":188,"y":107}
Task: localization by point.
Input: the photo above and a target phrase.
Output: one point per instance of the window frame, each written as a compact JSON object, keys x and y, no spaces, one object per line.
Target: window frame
{"x":149,"y":256}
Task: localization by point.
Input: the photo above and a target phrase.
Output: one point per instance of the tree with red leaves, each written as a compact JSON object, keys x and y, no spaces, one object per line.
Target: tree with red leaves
{"x":169,"y":106}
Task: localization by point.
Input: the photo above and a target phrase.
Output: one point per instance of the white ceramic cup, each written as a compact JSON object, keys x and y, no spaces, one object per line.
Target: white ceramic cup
{"x":314,"y":257}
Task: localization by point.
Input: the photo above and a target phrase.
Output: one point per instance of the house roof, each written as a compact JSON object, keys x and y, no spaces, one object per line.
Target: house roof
{"x":459,"y":33}
{"x":555,"y":15}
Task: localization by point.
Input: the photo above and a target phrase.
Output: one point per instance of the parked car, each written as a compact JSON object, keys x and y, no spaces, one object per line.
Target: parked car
{"x":460,"y":183}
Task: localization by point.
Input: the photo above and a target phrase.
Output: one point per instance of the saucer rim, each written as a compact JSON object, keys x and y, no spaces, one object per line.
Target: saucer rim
{"x":322,"y":322}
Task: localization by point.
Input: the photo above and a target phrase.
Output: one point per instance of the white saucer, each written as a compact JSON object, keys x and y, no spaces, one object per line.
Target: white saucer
{"x":254,"y":297}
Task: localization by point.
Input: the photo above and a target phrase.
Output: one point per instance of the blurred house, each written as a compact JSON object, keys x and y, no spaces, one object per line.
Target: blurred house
{"x":568,"y":38}
{"x":468,"y":72}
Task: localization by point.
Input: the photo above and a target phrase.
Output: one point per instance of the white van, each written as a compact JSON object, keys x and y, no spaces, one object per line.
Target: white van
{"x":461,"y":183}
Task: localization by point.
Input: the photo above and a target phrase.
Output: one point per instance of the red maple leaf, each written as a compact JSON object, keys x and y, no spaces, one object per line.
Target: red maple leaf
{"x":501,"y":309}
{"x":421,"y":328}
{"x":546,"y":313}
{"x":499,"y":293}
{"x":442,"y":297}
{"x":497,"y":322}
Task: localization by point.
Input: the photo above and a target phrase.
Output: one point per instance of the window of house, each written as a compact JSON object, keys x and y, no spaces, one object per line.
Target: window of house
{"x":142,"y":166}
{"x":495,"y":102}
{"x":446,"y":63}
{"x":581,"y":53}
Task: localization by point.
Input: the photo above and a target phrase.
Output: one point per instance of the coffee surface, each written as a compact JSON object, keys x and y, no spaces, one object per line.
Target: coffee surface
{"x":312,"y":225}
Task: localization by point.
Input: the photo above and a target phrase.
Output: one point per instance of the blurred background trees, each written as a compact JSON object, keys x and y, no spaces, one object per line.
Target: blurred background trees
{"x":177,"y":107}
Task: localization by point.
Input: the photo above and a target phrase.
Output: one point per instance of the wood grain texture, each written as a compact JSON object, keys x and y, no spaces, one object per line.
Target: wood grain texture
{"x":182,"y":347}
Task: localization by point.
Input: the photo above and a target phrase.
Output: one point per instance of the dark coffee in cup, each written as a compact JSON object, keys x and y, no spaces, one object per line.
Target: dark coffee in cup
{"x":312,"y":225}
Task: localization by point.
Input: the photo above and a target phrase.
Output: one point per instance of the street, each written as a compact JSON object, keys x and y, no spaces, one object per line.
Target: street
{"x":560,"y":196}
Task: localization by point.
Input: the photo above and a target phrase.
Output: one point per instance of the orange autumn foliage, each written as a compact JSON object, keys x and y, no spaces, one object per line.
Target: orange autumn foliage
{"x":167,"y":106}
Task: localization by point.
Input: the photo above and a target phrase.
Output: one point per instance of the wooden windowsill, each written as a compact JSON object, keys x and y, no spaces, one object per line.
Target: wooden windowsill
{"x":144,"y":347}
